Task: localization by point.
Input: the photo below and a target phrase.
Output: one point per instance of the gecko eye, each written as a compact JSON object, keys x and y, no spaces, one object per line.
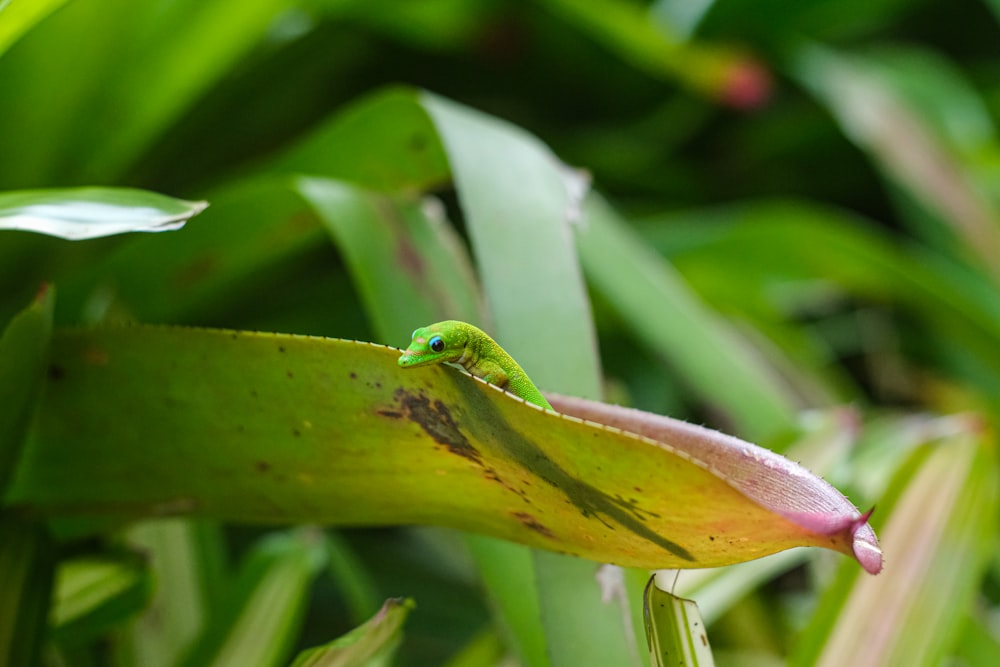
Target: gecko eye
{"x":436,"y":344}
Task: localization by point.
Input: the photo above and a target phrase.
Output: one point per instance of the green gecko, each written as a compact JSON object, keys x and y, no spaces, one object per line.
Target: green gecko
{"x":461,"y":343}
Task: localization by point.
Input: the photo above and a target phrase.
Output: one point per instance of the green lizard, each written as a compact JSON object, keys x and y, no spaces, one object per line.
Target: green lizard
{"x":461,"y":343}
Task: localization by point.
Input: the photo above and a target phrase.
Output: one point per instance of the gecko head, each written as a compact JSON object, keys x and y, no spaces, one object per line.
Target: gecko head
{"x":434,"y":344}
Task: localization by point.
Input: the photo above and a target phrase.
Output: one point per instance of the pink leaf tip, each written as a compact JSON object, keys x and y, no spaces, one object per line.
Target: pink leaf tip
{"x":865,"y":544}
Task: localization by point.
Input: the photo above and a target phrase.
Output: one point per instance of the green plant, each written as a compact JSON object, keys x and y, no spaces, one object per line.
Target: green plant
{"x":797,"y":212}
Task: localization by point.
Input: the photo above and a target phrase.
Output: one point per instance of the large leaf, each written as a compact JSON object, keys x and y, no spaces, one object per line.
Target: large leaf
{"x":266,"y":428}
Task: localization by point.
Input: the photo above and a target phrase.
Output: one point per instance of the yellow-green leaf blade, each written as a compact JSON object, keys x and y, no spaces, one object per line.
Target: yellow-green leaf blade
{"x":272,"y":428}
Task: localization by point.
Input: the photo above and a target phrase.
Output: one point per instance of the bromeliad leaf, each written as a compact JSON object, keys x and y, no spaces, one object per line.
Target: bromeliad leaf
{"x":331,"y":431}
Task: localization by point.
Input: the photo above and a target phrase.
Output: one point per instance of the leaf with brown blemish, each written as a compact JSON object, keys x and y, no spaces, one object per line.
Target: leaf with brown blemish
{"x":146,"y":416}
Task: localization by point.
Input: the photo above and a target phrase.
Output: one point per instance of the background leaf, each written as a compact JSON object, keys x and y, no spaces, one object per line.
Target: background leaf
{"x":87,"y":213}
{"x":370,"y":643}
{"x":957,"y":474}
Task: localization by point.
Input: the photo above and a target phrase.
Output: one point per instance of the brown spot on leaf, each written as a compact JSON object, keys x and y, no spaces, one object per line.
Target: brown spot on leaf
{"x":436,"y":421}
{"x":56,"y":372}
{"x":492,"y":475}
{"x":263,"y":466}
{"x":531,"y":522}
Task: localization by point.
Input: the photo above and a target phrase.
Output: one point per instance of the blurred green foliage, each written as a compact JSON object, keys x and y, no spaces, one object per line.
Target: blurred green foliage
{"x":800,"y":205}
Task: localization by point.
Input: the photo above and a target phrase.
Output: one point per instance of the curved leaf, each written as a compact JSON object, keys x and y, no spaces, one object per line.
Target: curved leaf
{"x":271,"y":428}
{"x":89,"y":213}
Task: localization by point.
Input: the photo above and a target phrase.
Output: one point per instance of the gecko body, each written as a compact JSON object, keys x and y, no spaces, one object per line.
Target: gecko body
{"x":461,"y":343}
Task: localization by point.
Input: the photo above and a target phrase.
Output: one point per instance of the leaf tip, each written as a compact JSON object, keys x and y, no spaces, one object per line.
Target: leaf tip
{"x":865,"y":544}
